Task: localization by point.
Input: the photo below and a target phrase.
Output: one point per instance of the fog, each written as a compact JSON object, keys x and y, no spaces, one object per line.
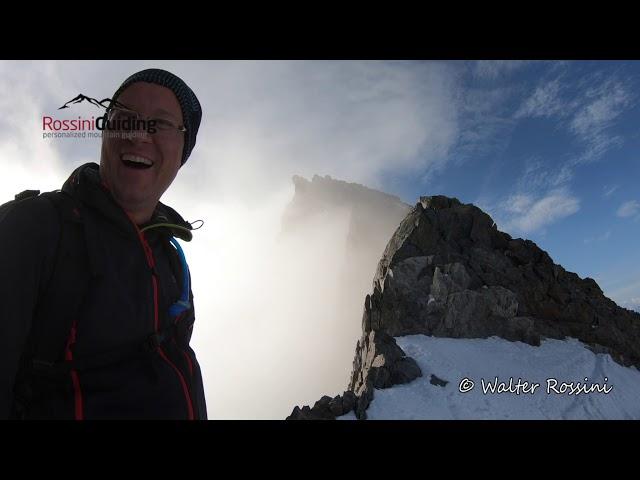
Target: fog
{"x":274,"y":334}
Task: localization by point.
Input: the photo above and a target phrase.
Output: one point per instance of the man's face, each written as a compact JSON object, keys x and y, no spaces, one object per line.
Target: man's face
{"x":136,"y":188}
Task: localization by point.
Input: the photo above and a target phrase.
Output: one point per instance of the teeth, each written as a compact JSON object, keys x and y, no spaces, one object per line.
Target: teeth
{"x":135,"y":158}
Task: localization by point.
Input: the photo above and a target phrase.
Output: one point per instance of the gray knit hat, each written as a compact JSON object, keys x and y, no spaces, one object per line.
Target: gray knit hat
{"x":191,"y":109}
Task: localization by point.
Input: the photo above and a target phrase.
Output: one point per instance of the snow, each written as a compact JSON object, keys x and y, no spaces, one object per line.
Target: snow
{"x":482,"y":360}
{"x":349,"y":416}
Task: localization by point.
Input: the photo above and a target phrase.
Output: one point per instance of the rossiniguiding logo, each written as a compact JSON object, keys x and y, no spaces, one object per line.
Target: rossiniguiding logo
{"x":117,"y":118}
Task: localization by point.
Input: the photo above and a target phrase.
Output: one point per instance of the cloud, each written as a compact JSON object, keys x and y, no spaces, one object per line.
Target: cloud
{"x":608,"y":190}
{"x":588,"y":111}
{"x":482,"y":137}
{"x":602,"y":238}
{"x":632,"y":304}
{"x":494,"y":69}
{"x":564,"y":175}
{"x":484,"y":123}
{"x":544,"y":102}
{"x":628,"y":209}
{"x":27,"y":160}
{"x":518,"y":203}
{"x":350,"y":120}
{"x":535,"y":176}
{"x":605,"y":103}
{"x":539,"y":198}
{"x":538,"y":177}
{"x":627,"y":293}
{"x":602,"y":104}
{"x":527,"y":213}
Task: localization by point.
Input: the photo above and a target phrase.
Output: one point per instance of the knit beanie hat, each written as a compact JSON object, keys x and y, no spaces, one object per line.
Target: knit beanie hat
{"x":191,"y":109}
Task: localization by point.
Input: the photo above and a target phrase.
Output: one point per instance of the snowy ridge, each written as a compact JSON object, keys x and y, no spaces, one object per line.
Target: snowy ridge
{"x":482,"y":360}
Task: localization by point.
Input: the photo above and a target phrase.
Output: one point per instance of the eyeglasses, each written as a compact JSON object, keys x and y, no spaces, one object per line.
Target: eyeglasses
{"x":128,"y":121}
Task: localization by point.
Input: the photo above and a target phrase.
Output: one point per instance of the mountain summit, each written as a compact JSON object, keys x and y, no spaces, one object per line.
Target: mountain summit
{"x":447,"y":271}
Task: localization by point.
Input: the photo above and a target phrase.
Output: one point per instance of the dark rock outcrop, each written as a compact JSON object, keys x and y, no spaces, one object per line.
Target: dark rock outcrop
{"x":434,"y":380}
{"x":326,"y":408}
{"x":379,"y":363}
{"x":449,"y":272}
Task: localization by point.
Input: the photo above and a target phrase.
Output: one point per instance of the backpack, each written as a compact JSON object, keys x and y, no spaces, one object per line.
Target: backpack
{"x":46,"y":364}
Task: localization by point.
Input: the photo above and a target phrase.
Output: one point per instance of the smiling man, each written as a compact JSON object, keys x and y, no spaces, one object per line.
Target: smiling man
{"x":96,"y":307}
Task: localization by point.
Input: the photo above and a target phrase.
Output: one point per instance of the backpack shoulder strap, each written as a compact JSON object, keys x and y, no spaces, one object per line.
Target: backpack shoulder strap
{"x":68,"y":285}
{"x":59,"y":306}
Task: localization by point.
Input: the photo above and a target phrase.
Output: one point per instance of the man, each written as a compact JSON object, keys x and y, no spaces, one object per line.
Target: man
{"x":96,"y":309}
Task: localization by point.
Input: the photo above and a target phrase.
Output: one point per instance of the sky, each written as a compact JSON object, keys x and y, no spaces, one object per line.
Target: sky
{"x":548,"y":148}
{"x":494,"y":379}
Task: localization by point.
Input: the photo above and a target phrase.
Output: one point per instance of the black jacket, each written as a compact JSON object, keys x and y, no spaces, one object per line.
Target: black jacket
{"x":135,"y":277}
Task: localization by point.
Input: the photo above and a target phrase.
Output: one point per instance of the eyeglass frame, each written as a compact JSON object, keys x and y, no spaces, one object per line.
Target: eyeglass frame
{"x":145,"y":118}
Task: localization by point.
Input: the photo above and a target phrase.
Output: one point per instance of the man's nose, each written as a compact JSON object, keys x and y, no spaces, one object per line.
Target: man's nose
{"x":141,"y":136}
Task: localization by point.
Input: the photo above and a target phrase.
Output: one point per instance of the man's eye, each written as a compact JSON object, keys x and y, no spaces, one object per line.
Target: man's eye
{"x":163,"y":124}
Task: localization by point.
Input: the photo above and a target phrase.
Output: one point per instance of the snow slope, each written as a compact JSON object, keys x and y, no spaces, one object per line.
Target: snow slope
{"x":482,"y":360}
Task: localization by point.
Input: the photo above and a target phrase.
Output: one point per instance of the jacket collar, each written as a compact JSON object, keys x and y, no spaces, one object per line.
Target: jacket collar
{"x":86,"y":185}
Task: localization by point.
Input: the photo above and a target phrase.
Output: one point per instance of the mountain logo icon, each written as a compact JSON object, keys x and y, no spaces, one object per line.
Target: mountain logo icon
{"x":83,"y":98}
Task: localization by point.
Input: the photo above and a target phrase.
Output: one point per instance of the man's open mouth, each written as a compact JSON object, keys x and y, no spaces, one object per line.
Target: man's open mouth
{"x":136,"y":161}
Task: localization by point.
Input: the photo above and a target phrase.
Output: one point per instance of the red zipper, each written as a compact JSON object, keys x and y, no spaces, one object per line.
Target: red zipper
{"x":151,"y":262}
{"x":75,"y":379}
{"x":186,"y":355}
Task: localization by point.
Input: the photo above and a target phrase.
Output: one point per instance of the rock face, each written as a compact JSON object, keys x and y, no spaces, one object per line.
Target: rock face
{"x":326,"y":408}
{"x":448,"y":272}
